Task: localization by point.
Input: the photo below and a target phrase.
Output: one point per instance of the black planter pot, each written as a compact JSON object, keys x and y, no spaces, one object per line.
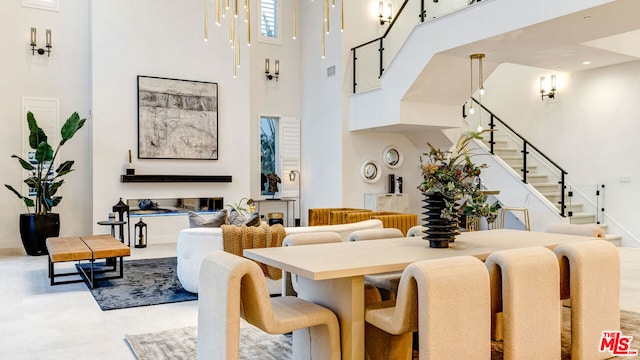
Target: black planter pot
{"x":35,"y":229}
{"x":440,"y":232}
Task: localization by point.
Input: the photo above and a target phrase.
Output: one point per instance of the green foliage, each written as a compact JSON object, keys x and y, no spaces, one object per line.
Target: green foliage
{"x":242,"y":207}
{"x":453,"y":174}
{"x":41,"y":176}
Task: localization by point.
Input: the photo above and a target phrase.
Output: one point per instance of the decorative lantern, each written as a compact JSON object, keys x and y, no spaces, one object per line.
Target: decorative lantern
{"x":122,"y":208}
{"x":141,"y":234}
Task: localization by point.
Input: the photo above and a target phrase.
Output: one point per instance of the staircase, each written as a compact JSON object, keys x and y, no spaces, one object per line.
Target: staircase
{"x":546,"y":187}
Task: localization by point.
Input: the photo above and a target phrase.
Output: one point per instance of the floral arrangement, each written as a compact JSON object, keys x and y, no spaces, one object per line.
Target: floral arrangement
{"x":453,"y":175}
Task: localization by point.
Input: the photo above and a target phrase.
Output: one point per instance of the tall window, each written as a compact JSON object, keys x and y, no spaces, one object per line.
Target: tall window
{"x":270,"y":157}
{"x":270,"y":19}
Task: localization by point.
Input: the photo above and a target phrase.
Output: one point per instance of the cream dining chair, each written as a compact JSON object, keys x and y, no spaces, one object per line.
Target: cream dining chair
{"x":232,"y":287}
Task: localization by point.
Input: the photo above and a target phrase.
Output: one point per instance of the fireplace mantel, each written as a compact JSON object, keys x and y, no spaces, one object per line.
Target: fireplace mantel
{"x":175,"y":178}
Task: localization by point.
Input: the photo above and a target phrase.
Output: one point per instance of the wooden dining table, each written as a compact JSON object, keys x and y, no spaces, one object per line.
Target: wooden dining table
{"x":332,"y":274}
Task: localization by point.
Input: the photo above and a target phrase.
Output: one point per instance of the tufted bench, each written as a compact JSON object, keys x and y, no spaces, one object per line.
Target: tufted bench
{"x":85,"y":248}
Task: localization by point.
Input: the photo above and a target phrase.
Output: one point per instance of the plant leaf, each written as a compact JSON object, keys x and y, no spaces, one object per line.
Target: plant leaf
{"x":44,"y":152}
{"x":70,"y":127}
{"x":36,"y":134}
{"x":64,"y":168}
{"x":25,"y":164}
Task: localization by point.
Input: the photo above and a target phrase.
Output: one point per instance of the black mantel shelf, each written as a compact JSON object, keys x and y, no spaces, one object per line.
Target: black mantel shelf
{"x":175,"y":178}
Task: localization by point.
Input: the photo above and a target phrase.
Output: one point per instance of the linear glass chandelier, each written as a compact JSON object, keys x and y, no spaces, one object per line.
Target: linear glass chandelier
{"x":233,"y":10}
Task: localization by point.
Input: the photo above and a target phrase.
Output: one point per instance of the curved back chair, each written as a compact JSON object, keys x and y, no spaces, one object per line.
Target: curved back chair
{"x":525,"y":302}
{"x":290,"y":281}
{"x":576,"y":229}
{"x":374,"y":234}
{"x":417,"y":230}
{"x":590,"y":278}
{"x":232,"y":287}
{"x":386,"y":282}
{"x":446,"y":300}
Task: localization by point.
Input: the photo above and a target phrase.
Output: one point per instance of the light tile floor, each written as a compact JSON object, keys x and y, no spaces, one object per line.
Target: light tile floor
{"x":38,"y":321}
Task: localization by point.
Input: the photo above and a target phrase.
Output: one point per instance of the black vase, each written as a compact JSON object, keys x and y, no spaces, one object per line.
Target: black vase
{"x":35,"y":229}
{"x":440,"y":232}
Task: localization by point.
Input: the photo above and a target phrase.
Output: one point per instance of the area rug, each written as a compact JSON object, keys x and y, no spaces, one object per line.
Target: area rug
{"x":146,"y":282}
{"x":180,"y":344}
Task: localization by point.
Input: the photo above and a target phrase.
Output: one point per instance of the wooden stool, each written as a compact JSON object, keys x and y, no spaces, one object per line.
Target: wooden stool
{"x":525,"y":213}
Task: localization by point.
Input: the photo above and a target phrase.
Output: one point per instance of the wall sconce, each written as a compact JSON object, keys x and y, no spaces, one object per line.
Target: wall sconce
{"x":551,"y":94}
{"x":267,"y":71}
{"x":33,"y":44}
{"x":385,"y":16}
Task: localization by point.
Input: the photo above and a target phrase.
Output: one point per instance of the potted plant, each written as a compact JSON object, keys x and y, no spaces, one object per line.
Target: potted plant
{"x":44,"y":184}
{"x":451,"y":187}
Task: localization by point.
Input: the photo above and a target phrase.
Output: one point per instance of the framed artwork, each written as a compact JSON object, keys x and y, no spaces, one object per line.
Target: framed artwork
{"x":177,"y":119}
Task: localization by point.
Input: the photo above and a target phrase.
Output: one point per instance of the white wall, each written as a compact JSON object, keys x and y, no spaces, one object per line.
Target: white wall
{"x":590,"y":129}
{"x":64,"y":75}
{"x":164,"y":38}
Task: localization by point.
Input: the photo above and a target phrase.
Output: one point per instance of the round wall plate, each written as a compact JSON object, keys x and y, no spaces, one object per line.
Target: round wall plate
{"x":392,"y":157}
{"x":370,"y":171}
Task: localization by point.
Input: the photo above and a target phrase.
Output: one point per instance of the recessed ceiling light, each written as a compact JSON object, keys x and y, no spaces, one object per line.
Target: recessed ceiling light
{"x":586,"y":62}
{"x":588,"y":17}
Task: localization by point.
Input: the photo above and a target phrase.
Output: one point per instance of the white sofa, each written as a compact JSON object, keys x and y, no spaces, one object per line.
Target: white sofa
{"x":194,"y":244}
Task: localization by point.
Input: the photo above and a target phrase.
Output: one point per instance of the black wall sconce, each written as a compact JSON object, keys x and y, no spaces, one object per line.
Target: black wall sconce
{"x":551,"y":94}
{"x":48,"y":46}
{"x":385,"y":16}
{"x":267,"y":71}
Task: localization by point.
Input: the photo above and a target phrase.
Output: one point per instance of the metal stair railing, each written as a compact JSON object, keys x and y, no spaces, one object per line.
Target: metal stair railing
{"x":526,"y":147}
{"x":419,"y":6}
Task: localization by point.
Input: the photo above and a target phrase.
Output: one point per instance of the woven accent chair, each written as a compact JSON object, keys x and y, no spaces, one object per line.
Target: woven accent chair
{"x":525,"y":302}
{"x":321,"y":216}
{"x":290,"y":281}
{"x":232,"y":287}
{"x":588,"y":270}
{"x":446,"y":300}
{"x":400,"y":221}
{"x":576,"y":229}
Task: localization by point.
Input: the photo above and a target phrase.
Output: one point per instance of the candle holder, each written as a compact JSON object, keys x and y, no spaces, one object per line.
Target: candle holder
{"x":141,"y":234}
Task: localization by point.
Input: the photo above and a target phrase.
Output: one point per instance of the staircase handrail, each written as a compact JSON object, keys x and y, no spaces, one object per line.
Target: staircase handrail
{"x":381,"y":39}
{"x":526,"y":144}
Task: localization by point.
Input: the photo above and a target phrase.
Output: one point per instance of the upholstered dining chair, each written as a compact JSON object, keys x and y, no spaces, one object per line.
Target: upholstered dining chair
{"x":576,"y":229}
{"x":232,"y":287}
{"x":590,"y":279}
{"x":525,"y":302}
{"x":446,"y":300}
{"x":289,"y":281}
{"x":417,"y":230}
{"x":386,"y":282}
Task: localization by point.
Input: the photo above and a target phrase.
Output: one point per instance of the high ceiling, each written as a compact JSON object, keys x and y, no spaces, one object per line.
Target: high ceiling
{"x":605,"y":35}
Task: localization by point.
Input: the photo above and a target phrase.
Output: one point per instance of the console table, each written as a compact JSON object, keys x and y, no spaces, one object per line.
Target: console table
{"x":279,"y":203}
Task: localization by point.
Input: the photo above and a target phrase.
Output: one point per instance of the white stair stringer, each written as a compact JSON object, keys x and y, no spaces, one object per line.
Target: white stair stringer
{"x":513,"y":192}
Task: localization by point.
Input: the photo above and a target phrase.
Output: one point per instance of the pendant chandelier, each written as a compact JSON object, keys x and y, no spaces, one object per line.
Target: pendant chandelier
{"x":232,"y":11}
{"x":479,"y":58}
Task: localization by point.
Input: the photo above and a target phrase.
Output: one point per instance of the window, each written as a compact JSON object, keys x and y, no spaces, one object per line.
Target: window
{"x":269,"y":159}
{"x":279,"y":153}
{"x":270,"y":19}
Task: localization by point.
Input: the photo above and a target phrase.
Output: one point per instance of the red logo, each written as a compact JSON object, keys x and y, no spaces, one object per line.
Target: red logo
{"x":617,"y":344}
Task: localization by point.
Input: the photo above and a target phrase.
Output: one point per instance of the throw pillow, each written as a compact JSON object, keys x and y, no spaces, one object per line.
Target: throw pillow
{"x":218,"y":219}
{"x":254,"y":220}
{"x":235,"y":218}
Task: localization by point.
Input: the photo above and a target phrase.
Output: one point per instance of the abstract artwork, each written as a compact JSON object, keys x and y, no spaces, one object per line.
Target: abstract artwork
{"x":177,"y":119}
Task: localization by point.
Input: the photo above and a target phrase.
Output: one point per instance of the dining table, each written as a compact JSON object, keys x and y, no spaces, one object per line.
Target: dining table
{"x":332,"y":274}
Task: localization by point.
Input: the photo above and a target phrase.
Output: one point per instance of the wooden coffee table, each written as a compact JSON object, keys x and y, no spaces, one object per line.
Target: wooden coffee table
{"x":85,"y":248}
